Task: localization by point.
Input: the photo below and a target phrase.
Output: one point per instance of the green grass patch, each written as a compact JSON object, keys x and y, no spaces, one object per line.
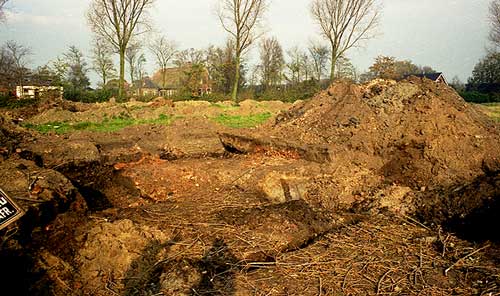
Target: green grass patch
{"x":242,"y":121}
{"x":225,"y":107}
{"x":493,"y":110}
{"x":107,"y":125}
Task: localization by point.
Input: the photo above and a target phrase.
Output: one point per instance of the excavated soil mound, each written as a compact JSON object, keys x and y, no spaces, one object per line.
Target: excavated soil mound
{"x":414,"y":133}
{"x":10,"y":137}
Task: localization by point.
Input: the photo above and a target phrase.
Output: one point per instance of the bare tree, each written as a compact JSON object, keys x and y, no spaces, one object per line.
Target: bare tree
{"x":140,"y":72}
{"x":60,"y":67}
{"x":272,"y":62}
{"x":20,"y":56}
{"x":102,"y":63}
{"x":2,"y":4}
{"x":7,"y":69}
{"x":77,"y":68}
{"x":320,"y":55}
{"x":345,"y":23}
{"x":163,"y":50}
{"x":132,"y":54}
{"x":190,"y":56}
{"x":307,"y":66}
{"x":241,"y":19}
{"x":220,"y":62}
{"x":345,"y":69}
{"x":495,"y":22}
{"x":117,"y":22}
{"x":295,"y":64}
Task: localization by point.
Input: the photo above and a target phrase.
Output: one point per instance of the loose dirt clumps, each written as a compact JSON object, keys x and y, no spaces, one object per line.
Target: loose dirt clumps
{"x":110,"y":251}
{"x":416,"y":132}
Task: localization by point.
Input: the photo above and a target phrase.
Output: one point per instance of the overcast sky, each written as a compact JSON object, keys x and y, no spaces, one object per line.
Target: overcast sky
{"x":448,"y":35}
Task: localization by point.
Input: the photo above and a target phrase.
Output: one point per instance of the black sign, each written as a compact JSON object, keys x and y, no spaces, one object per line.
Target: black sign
{"x":9,"y":211}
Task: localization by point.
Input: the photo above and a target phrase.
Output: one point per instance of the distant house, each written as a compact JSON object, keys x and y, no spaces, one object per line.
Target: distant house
{"x":436,"y":77}
{"x":179,"y":78}
{"x":146,"y":87}
{"x":39,"y":84}
{"x":38,"y":91}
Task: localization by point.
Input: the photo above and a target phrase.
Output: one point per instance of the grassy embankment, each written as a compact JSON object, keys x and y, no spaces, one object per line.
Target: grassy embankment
{"x":493,"y":110}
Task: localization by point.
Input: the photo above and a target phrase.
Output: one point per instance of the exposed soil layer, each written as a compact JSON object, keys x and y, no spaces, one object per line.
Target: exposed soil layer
{"x":416,"y":132}
{"x":380,"y":189}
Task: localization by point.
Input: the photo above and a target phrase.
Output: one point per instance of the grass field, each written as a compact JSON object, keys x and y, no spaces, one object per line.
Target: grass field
{"x":118,"y":123}
{"x":242,"y":121}
{"x":493,"y":110}
{"x":108,"y":125}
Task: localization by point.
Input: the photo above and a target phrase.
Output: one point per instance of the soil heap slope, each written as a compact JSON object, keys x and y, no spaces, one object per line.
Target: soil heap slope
{"x":416,"y":133}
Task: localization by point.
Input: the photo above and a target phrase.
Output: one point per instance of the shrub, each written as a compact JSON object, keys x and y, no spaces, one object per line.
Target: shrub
{"x":10,"y":102}
{"x":88,"y":96}
{"x":479,"y":98}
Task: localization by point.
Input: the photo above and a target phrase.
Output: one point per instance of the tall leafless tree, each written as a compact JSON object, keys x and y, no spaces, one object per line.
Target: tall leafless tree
{"x":2,"y":5}
{"x":272,"y":62}
{"x":345,"y":23}
{"x":20,"y":56}
{"x":132,"y":55}
{"x":117,"y":22}
{"x":320,"y":55}
{"x":190,"y":56}
{"x":140,"y":72}
{"x":77,"y":69}
{"x":295,"y":64}
{"x":163,"y":50}
{"x":495,"y":22}
{"x":241,"y":19}
{"x":7,"y":69}
{"x":220,"y":62}
{"x":102,"y":63}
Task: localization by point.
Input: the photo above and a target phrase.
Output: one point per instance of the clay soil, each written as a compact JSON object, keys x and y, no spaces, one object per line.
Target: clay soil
{"x":378,"y":189}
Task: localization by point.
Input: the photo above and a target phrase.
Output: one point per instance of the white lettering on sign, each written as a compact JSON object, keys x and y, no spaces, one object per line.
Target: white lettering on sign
{"x":3,"y":201}
{"x":5,"y":212}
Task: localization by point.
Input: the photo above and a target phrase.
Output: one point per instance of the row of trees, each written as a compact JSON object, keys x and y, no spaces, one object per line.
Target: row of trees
{"x":484,"y":84}
{"x":69,"y":70}
{"x":344,"y":24}
{"x":119,"y":25}
{"x":275,"y":69}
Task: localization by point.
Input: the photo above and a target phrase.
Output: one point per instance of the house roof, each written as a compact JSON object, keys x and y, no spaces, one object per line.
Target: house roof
{"x":173,"y":77}
{"x":431,"y":76}
{"x":146,"y":83}
{"x":176,"y":77}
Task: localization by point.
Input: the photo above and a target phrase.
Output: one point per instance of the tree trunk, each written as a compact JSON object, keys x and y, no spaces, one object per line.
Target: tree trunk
{"x":234,"y":95}
{"x":334,"y":59}
{"x":121,"y":82}
{"x":164,"y":77}
{"x":131,"y":74}
{"x":334,"y":62}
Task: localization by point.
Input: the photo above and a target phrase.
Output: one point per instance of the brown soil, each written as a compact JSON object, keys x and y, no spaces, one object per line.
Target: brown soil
{"x":377,"y":189}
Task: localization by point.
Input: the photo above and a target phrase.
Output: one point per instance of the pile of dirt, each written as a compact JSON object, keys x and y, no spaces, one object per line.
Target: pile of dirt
{"x":416,"y":132}
{"x":10,"y":136}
